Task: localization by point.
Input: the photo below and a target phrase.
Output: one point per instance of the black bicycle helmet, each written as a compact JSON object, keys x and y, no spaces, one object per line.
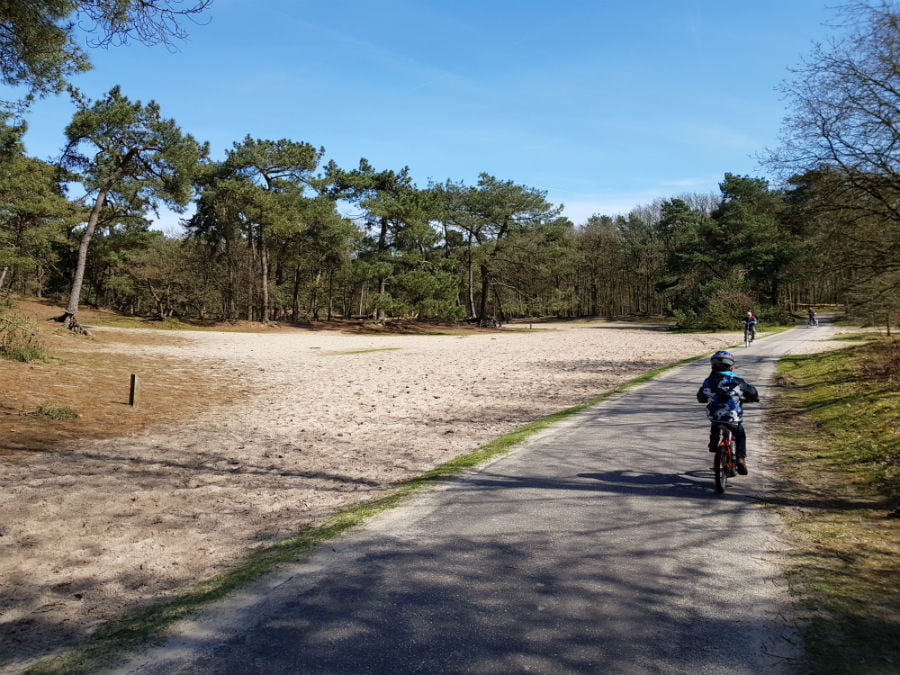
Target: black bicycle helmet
{"x":722,"y":358}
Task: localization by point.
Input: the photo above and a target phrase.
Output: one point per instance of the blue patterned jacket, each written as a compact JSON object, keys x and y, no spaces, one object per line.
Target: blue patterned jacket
{"x":723,"y":394}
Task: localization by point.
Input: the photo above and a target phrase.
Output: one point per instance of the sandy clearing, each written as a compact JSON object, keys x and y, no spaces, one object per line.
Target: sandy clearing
{"x":95,"y":527}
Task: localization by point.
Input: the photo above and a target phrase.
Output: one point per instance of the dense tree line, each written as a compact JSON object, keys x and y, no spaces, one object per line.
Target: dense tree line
{"x":267,"y":239}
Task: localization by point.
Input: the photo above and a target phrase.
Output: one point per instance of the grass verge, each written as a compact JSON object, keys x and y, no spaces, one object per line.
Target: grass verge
{"x":141,"y":626}
{"x":838,"y":439}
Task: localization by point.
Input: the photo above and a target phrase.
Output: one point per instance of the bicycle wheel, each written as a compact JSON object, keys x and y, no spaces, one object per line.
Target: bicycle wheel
{"x":747,"y":339}
{"x":731,"y":457}
{"x":720,"y":469}
{"x":723,"y":463}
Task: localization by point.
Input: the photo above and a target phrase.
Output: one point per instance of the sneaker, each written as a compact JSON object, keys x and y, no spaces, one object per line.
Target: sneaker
{"x":742,"y":466}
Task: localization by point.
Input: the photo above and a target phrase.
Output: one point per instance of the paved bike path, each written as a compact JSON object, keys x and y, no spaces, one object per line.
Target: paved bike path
{"x":598,"y":546}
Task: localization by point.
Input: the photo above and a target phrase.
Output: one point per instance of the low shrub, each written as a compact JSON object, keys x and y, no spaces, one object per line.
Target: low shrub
{"x":20,"y":339}
{"x":723,"y":309}
{"x":58,"y":413}
{"x":773,"y":316}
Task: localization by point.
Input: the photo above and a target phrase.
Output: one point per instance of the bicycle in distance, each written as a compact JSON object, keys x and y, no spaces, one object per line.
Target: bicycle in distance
{"x":749,"y":322}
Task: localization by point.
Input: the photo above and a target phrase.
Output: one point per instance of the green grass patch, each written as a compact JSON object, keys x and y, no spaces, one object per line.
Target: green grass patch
{"x":838,"y":439}
{"x":141,"y":626}
{"x":854,"y":337}
{"x":843,"y":321}
{"x":58,"y":413}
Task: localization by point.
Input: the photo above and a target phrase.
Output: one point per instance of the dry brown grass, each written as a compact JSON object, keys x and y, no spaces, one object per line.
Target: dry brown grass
{"x":80,"y":375}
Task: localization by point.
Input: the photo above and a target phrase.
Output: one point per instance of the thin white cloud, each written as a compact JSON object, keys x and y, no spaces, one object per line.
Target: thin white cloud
{"x":724,"y":138}
{"x":425,"y":72}
{"x":704,"y":182}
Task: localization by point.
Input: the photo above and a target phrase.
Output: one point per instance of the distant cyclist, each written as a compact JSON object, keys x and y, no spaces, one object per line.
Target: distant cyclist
{"x":723,"y":392}
{"x":812,"y":319}
{"x":750,"y":322}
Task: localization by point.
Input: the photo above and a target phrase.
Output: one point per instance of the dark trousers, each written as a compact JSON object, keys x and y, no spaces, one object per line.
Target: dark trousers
{"x":740,"y":438}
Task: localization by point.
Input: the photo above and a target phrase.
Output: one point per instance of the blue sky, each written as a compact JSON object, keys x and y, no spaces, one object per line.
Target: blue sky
{"x":605,"y":104}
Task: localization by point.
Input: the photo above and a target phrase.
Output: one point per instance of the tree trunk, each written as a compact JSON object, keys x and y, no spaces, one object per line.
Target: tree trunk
{"x":295,"y":296}
{"x":251,"y":284}
{"x":382,"y":247}
{"x":362,"y":297}
{"x":382,"y":289}
{"x":471,"y":273}
{"x":315,"y":296}
{"x":485,"y":291}
{"x":499,"y":315}
{"x":70,"y":318}
{"x":330,"y":293}
{"x":264,"y":273}
{"x":160,"y":304}
{"x":485,"y":271}
{"x":775,"y":292}
{"x":230,"y":299}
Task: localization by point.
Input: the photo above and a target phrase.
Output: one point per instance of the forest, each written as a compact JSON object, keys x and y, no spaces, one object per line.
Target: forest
{"x":267,"y":236}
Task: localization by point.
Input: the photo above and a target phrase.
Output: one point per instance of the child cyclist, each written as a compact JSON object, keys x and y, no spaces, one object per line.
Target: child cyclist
{"x":723,"y":392}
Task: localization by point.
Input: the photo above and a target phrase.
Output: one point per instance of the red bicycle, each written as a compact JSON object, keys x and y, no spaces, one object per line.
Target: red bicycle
{"x":723,"y":463}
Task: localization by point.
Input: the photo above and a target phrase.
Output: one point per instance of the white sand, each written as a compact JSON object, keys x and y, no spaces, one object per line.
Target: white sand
{"x":115,"y":523}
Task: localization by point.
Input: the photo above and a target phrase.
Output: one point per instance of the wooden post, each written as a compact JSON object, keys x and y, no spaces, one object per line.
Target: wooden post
{"x":133,"y":396}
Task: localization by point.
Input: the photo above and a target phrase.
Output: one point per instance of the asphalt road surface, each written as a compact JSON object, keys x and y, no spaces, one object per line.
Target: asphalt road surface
{"x":597,"y":546}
